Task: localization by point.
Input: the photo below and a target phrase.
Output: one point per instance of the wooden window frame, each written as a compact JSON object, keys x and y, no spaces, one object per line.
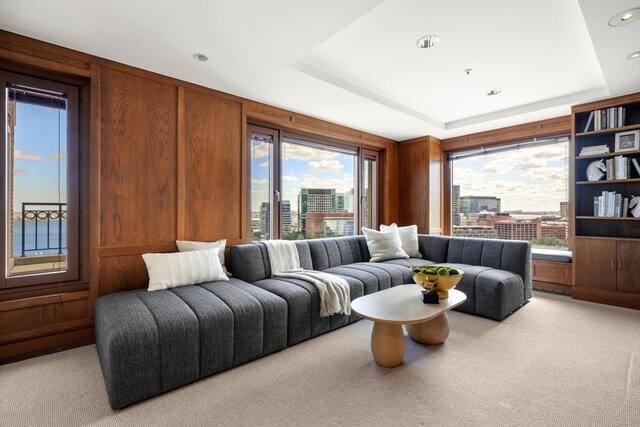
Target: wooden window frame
{"x":77,"y":175}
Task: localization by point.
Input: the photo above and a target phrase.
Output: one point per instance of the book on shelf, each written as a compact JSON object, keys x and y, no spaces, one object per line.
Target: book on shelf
{"x":608,"y":118}
{"x":610,"y":204}
{"x":636,"y":165}
{"x":621,"y":167}
{"x":594,"y":149}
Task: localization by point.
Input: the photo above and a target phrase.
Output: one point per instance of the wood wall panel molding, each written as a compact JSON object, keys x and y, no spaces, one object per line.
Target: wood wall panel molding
{"x":47,"y":344}
{"x":181,"y":219}
{"x":116,"y":251}
{"x":552,"y":272}
{"x":43,"y":300}
{"x":604,"y":296}
{"x":95,"y":148}
{"x":122,"y":274}
{"x":541,"y":129}
{"x":605,"y":103}
{"x":138,"y":160}
{"x":213,"y":178}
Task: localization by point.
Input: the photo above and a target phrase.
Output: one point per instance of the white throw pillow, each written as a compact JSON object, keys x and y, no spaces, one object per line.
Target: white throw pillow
{"x":188,"y":246}
{"x":175,"y":269}
{"x":408,"y":237}
{"x":384,"y":244}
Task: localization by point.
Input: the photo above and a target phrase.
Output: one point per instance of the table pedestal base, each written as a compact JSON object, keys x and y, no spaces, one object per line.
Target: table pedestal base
{"x":387,"y":344}
{"x":433,"y":331}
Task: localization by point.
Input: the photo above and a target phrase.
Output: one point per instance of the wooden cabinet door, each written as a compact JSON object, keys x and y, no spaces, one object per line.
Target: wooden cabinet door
{"x":595,"y":263}
{"x":628,"y":265}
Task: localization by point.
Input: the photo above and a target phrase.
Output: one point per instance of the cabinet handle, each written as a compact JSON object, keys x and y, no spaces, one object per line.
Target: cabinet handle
{"x":619,"y":264}
{"x":613,"y":264}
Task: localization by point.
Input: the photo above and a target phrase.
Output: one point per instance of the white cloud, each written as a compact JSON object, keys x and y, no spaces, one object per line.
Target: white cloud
{"x":302,"y":152}
{"x":262,"y":181}
{"x":264,"y":164}
{"x":19,"y":172}
{"x":289,"y":178}
{"x":21,"y":155}
{"x":260,"y":150}
{"x":327,"y":166}
{"x":58,"y":156}
{"x":342,"y":185}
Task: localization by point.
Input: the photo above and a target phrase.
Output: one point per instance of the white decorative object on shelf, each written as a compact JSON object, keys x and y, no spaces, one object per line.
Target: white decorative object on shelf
{"x":627,"y":141}
{"x":596,"y":170}
{"x":634,"y":206}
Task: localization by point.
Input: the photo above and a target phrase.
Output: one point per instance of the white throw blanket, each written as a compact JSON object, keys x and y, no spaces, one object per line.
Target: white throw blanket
{"x":335,"y":295}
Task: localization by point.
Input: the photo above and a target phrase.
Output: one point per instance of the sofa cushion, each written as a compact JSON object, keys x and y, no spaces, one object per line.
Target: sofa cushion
{"x":384,"y":244}
{"x":434,"y":248}
{"x":409,"y":262}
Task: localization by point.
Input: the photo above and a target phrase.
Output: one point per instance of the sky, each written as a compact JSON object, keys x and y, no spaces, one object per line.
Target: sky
{"x":302,"y":167}
{"x":529,"y":179}
{"x":36,"y":155}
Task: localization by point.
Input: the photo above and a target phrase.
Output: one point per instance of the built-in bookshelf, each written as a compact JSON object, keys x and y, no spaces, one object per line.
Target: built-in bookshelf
{"x":595,"y":144}
{"x":606,"y":236}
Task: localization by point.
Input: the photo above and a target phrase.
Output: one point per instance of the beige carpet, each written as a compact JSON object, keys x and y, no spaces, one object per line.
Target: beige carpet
{"x":555,"y":362}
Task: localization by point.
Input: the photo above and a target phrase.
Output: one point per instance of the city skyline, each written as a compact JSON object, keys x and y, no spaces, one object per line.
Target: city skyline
{"x":533,"y":179}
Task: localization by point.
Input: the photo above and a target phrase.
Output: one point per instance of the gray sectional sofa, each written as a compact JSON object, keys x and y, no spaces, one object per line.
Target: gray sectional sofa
{"x":152,"y":342}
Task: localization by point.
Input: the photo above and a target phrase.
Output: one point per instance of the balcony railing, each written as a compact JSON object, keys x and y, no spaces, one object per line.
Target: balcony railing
{"x":41,"y":216}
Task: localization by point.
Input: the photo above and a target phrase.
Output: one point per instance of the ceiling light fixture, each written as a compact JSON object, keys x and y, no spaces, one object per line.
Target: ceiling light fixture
{"x":428,"y":41}
{"x":625,"y":17}
{"x":200,"y":57}
{"x":493,"y":92}
{"x":634,"y":55}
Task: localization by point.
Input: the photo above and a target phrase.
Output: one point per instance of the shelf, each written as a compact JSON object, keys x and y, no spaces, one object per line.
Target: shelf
{"x":609,"y":218}
{"x":609,"y":181}
{"x":611,"y":130}
{"x":606,"y":155}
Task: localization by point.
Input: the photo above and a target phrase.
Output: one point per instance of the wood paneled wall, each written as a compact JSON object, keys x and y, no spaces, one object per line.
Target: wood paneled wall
{"x":168,"y":161}
{"x":420,"y":183}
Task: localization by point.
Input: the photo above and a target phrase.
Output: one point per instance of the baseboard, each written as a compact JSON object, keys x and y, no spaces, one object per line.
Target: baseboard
{"x":603,"y":296}
{"x":14,"y":352}
{"x":551,"y":287}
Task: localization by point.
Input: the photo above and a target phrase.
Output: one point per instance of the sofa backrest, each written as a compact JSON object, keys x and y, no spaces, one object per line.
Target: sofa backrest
{"x":250,"y":262}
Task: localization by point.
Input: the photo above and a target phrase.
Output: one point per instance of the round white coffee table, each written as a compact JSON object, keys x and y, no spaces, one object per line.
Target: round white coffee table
{"x":402,"y":305}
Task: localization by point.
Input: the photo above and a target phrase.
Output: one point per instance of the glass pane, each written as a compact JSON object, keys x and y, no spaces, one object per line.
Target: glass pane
{"x":36,"y":182}
{"x":261,"y":164}
{"x":318,"y":188}
{"x":369,"y":194}
{"x":515,"y":195}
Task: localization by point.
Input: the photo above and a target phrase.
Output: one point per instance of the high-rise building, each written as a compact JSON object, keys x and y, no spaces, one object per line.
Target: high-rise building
{"x":285,"y":214}
{"x":476,"y":204}
{"x":315,"y":200}
{"x":455,"y":205}
{"x":326,"y":224}
{"x":564,"y":209}
{"x":265,"y":219}
{"x":481,"y":231}
{"x":344,"y":201}
{"x":518,"y":230}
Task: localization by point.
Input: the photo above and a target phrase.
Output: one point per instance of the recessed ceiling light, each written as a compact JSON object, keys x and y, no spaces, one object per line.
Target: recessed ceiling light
{"x":428,"y":41}
{"x":468,"y":71}
{"x":200,"y":57}
{"x":634,"y":55}
{"x":625,"y":17}
{"x":493,"y":92}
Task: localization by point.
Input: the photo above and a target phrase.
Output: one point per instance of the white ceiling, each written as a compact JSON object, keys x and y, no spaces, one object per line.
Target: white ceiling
{"x":355,"y":62}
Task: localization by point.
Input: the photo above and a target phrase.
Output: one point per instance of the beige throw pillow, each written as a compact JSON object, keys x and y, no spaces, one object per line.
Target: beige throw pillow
{"x":408,"y":237}
{"x":384,"y":244}
{"x":188,"y":246}
{"x":171,"y":270}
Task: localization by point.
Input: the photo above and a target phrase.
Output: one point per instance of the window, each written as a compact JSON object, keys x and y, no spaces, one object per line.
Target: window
{"x":41,"y":174}
{"x":304,"y":189}
{"x":515,"y":192}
